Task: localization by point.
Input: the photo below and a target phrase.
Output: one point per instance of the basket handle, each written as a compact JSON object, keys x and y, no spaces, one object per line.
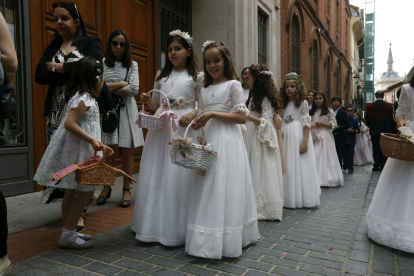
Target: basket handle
{"x":104,"y":151}
{"x":156,"y":90}
{"x":188,"y":127}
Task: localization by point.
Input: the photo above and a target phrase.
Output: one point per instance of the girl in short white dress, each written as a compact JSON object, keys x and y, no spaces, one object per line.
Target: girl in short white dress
{"x":323,"y":122}
{"x":222,"y":218}
{"x":262,"y":143}
{"x":76,"y":139}
{"x":300,"y":184}
{"x":390,"y":216}
{"x":163,"y":194}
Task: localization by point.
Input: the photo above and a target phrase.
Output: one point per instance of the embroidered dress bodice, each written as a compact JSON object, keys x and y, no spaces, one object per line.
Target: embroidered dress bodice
{"x":300,"y":114}
{"x":184,"y":87}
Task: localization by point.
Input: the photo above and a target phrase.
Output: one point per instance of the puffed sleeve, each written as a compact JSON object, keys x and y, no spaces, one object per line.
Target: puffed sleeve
{"x":305,"y":119}
{"x":331,"y":119}
{"x":266,"y":132}
{"x":133,"y":80}
{"x":200,"y":83}
{"x":403,"y":103}
{"x":83,"y":97}
{"x":156,"y":95}
{"x":237,"y":98}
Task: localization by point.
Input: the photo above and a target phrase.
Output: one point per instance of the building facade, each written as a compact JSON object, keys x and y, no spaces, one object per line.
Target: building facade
{"x":315,"y":44}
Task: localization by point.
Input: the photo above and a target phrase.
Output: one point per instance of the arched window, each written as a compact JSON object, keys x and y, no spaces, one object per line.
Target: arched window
{"x":328,"y":77}
{"x":315,"y":65}
{"x":295,"y":43}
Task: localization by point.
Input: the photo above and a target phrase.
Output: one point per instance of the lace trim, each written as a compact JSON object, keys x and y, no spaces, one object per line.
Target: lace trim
{"x":266,"y":210}
{"x":85,"y":97}
{"x":240,"y":107}
{"x":266,"y":134}
{"x":306,"y":121}
{"x":399,"y":236}
{"x":333,"y":124}
{"x":209,"y":230}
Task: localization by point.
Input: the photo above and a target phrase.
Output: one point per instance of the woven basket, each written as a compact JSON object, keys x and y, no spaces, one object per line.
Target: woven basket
{"x":153,"y":122}
{"x":394,"y":146}
{"x":203,"y":155}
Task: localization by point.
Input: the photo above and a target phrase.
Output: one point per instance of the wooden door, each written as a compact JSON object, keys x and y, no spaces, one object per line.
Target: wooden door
{"x":137,"y":17}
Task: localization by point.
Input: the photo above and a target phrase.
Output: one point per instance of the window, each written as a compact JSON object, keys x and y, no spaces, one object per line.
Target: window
{"x":295,"y":43}
{"x":328,"y":78}
{"x":315,"y":65}
{"x":262,"y":34}
{"x":172,"y":15}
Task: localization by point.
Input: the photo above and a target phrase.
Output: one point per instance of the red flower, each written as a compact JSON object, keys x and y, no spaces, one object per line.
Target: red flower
{"x":203,"y":147}
{"x":169,"y":143}
{"x":209,"y":152}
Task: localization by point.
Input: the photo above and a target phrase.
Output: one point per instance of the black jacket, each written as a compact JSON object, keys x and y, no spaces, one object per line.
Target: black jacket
{"x":343,"y":124}
{"x":376,"y":117}
{"x":89,"y":46}
{"x":389,"y":118}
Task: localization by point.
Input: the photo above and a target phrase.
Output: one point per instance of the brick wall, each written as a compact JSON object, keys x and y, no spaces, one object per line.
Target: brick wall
{"x":331,"y":29}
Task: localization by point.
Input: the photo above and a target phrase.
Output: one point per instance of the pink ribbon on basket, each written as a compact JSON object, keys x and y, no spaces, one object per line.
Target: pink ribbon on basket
{"x":138,"y":121}
{"x":167,"y":115}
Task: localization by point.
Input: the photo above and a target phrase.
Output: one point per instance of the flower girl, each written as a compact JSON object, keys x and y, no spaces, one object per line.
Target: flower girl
{"x":223,"y":216}
{"x":75,"y":140}
{"x":162,"y":198}
{"x":262,"y":144}
{"x":300,"y":184}
{"x":323,"y":121}
{"x":362,"y":154}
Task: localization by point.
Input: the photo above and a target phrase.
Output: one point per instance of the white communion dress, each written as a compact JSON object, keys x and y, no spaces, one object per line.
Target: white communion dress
{"x":300,"y":183}
{"x":263,"y":150}
{"x":163,"y":195}
{"x":327,"y":164}
{"x":362,"y":154}
{"x":223,"y":217}
{"x":390,"y":216}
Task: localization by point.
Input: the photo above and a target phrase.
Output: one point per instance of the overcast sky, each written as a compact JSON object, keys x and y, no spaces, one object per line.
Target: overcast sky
{"x":393,"y":23}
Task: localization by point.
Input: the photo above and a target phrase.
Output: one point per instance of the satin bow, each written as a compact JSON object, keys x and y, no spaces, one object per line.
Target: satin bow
{"x":182,"y":144}
{"x":320,"y":136}
{"x":167,"y":115}
{"x":138,"y":121}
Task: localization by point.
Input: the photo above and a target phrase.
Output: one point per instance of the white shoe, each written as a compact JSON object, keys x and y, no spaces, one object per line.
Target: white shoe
{"x":84,"y":236}
{"x":7,"y":268}
{"x":72,"y":244}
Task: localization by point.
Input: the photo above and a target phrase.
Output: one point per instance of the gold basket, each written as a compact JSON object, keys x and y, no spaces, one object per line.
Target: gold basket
{"x":394,"y":146}
{"x":93,"y":172}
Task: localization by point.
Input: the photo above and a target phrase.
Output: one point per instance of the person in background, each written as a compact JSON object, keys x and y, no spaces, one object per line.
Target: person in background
{"x":10,"y":63}
{"x":352,"y":130}
{"x":310,"y":97}
{"x":376,"y":121}
{"x":389,"y":117}
{"x":340,"y":131}
{"x":245,"y":85}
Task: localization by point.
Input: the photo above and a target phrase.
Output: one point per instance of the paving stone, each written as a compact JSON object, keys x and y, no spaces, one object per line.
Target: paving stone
{"x":227,"y":267}
{"x":364,"y":246}
{"x":303,"y":259}
{"x":311,"y":247}
{"x":160,"y":251}
{"x":288,"y":272}
{"x":196,"y":270}
{"x":266,"y":251}
{"x":256,"y":273}
{"x":406,"y":264}
{"x":163,"y":262}
{"x":108,"y":247}
{"x":357,"y":268}
{"x":250,"y":255}
{"x":334,"y":265}
{"x":79,"y":252}
{"x":362,"y":256}
{"x":103,"y":256}
{"x":384,"y":267}
{"x":381,"y":254}
{"x":41,"y":263}
{"x":290,"y":249}
{"x":35,"y":272}
{"x":329,"y":257}
{"x":129,"y":273}
{"x":133,"y":254}
{"x":319,"y":270}
{"x":73,"y":260}
{"x":161,"y":271}
{"x":253,"y":264}
{"x":53,"y":254}
{"x":107,"y":238}
{"x":276,"y":240}
{"x":134,"y":265}
{"x":68,"y":270}
{"x":333,"y":245}
{"x":280,"y":262}
{"x":102,"y":268}
{"x":128,"y":244}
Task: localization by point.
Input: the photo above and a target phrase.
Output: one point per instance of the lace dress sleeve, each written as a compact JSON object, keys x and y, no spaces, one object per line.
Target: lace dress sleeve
{"x":331,"y":119}
{"x":133,"y":80}
{"x":237,"y":98}
{"x":266,"y":132}
{"x":156,"y":95}
{"x":305,"y":119}
{"x":403,"y":103}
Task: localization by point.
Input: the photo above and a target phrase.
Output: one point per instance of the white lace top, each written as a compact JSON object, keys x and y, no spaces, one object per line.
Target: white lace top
{"x":298,"y":114}
{"x":266,"y":132}
{"x":406,"y":103}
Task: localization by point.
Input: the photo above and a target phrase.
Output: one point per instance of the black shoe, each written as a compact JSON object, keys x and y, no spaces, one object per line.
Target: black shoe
{"x":79,"y":228}
{"x":126,"y":203}
{"x":350,"y":172}
{"x":375,"y":169}
{"x":102,"y":199}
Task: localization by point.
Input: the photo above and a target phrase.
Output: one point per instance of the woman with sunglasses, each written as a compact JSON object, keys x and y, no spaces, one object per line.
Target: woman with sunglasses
{"x":121,"y":76}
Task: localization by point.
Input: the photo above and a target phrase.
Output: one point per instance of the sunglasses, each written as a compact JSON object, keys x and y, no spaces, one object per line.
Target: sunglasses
{"x":116,"y":44}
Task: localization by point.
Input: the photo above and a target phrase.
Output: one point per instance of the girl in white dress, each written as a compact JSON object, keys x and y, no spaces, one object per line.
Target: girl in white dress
{"x":162,"y":198}
{"x":300,"y":184}
{"x":223,"y":216}
{"x":362,"y":156}
{"x":323,"y":122}
{"x":75,"y":140}
{"x":262,"y":143}
{"x":390,"y":216}
{"x":368,"y":145}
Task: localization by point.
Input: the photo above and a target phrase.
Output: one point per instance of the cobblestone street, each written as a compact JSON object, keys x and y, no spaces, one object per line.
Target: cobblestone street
{"x":330,"y":240}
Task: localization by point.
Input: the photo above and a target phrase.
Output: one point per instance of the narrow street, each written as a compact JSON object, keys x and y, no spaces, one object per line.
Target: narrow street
{"x":331,"y":240}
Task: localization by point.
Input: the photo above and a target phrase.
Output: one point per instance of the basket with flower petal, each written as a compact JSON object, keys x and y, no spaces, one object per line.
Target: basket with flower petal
{"x":398,"y":146}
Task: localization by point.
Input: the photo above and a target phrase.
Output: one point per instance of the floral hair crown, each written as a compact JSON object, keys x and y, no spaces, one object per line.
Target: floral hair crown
{"x":292,"y":75}
{"x":205,"y":44}
{"x":184,"y":35}
{"x":261,"y":70}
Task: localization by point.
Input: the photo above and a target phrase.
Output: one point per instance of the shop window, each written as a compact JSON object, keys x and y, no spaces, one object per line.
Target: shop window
{"x":295,"y":43}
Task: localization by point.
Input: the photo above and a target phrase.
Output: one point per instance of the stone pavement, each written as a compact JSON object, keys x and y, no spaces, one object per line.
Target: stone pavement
{"x":330,"y":240}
